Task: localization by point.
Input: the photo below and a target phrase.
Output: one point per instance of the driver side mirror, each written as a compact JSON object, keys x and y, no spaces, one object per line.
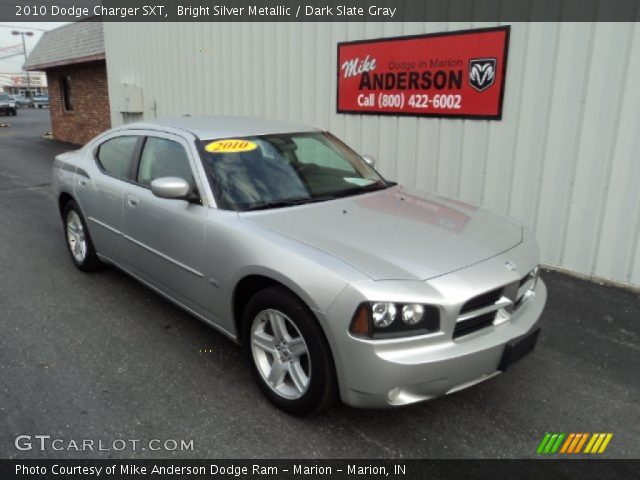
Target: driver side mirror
{"x":369,"y":159}
{"x":171,"y":187}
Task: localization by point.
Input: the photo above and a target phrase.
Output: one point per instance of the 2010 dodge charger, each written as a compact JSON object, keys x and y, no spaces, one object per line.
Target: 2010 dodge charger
{"x":336,"y":281}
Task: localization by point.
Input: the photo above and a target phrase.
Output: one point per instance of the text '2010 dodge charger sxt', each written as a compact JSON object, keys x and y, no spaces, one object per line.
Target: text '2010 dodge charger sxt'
{"x":336,"y":281}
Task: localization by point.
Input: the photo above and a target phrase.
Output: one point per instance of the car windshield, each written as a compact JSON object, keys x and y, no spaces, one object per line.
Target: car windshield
{"x":5,"y":97}
{"x":272,"y":171}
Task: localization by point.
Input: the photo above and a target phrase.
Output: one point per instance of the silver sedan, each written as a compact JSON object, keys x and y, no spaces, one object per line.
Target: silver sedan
{"x":337,"y":282}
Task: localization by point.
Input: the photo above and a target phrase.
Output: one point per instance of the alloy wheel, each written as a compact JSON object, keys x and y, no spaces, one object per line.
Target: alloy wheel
{"x":280,"y":354}
{"x":76,"y":237}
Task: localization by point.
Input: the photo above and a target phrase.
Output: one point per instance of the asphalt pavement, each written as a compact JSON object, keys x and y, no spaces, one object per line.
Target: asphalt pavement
{"x":101,"y":357}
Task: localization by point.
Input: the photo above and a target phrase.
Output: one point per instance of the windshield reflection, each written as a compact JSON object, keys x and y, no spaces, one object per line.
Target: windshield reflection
{"x":274,"y":171}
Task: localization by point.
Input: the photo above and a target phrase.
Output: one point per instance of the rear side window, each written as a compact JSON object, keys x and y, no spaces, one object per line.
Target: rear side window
{"x":163,"y":158}
{"x":114,"y":156}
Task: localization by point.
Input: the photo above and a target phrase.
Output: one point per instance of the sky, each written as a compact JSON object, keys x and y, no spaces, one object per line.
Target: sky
{"x":14,"y":64}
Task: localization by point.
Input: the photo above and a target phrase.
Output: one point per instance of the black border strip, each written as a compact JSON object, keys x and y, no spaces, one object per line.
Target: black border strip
{"x":505,"y":55}
{"x":406,"y":11}
{"x":586,"y":467}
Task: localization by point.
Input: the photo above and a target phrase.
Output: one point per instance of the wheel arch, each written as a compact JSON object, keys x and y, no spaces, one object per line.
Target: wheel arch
{"x":251,"y":284}
{"x":63,"y":199}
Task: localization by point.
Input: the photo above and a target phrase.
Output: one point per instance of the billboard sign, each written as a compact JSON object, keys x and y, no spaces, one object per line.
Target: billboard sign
{"x":453,"y":74}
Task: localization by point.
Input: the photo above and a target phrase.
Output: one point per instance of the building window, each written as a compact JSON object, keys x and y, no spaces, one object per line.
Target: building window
{"x":65,"y":89}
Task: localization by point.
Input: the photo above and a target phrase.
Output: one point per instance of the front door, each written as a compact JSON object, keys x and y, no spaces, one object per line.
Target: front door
{"x":166,"y":236}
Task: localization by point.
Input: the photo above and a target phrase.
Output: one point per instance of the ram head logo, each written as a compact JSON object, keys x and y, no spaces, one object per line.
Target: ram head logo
{"x":482,"y":73}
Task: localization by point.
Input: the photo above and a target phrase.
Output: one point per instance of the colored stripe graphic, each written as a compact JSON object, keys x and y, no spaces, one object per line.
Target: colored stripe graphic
{"x":607,"y":439}
{"x":556,"y":446}
{"x":577,"y":439}
{"x":550,"y":443}
{"x":543,"y":443}
{"x":591,"y":442}
{"x":598,"y":443}
{"x":573,"y":443}
{"x":567,"y":443}
{"x":581,"y":443}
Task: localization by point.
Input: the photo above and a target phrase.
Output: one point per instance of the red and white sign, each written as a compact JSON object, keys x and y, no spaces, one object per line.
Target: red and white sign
{"x":453,"y":74}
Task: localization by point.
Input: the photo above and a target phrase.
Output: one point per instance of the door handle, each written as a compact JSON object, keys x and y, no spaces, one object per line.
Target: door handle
{"x":132,"y":201}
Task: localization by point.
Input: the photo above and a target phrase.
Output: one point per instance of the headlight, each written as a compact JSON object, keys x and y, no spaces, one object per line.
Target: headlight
{"x":412,"y":314}
{"x":390,"y":320}
{"x":383,"y":314}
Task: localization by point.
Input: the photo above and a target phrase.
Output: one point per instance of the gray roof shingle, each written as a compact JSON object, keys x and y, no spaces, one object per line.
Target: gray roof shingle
{"x":73,"y":43}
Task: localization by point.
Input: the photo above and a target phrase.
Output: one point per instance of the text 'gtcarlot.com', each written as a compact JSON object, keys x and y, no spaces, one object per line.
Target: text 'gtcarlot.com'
{"x":46,"y":443}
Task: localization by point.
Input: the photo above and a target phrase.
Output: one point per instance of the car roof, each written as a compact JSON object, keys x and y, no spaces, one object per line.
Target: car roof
{"x":209,"y":127}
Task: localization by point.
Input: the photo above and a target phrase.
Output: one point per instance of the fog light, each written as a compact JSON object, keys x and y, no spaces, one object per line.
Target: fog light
{"x":412,"y":314}
{"x":383,"y":314}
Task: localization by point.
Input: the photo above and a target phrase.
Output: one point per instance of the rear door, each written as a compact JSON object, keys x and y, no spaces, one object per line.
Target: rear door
{"x":100,"y":189}
{"x":167,"y":236}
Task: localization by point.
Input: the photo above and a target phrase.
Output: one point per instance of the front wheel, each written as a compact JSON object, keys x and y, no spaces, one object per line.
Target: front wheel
{"x":288,"y":352}
{"x":79,"y":241}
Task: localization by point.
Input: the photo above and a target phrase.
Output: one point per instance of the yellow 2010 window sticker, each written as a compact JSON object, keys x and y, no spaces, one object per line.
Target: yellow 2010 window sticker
{"x":230,"y":145}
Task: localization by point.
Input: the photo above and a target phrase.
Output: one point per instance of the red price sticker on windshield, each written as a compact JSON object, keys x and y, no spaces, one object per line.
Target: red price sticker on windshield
{"x":453,"y":74}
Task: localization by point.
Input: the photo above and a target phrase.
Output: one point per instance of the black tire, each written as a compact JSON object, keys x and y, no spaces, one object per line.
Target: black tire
{"x":14,"y":113}
{"x":322,"y":389}
{"x":90,"y":261}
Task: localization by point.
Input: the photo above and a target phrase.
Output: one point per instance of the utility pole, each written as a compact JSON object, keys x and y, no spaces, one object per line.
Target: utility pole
{"x":24,"y":50}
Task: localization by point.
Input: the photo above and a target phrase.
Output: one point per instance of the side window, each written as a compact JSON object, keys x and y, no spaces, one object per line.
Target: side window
{"x":163,"y":158}
{"x":114,"y":155}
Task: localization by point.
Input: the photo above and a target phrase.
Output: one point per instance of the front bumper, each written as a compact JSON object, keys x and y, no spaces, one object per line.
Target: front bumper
{"x":378,"y":374}
{"x":401,"y":371}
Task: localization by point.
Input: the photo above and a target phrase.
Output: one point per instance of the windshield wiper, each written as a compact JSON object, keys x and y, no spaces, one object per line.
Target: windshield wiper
{"x":289,"y":202}
{"x":356,"y":190}
{"x":282,"y":203}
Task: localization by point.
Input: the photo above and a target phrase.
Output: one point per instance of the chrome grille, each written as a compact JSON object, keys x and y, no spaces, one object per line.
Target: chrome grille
{"x":471,"y":325}
{"x":493,"y":307}
{"x":482,"y":300}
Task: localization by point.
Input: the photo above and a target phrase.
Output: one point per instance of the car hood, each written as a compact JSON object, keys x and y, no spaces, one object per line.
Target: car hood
{"x":396,"y":233}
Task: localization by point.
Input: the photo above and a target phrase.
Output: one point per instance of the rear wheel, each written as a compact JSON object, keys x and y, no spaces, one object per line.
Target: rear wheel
{"x":288,"y":352}
{"x":79,"y":241}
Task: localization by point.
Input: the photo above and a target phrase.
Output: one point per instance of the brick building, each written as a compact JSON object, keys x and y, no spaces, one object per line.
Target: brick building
{"x":74,"y":61}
